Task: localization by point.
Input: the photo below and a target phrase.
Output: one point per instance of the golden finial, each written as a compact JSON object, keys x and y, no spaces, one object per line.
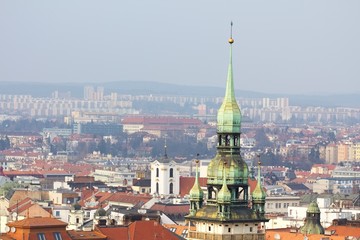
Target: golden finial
{"x":197,"y":159}
{"x":231,"y":40}
{"x":259,"y":162}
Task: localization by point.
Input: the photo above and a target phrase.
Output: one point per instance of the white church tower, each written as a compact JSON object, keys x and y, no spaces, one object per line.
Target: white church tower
{"x":165,"y":177}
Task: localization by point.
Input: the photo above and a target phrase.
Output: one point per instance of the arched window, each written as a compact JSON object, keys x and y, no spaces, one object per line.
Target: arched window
{"x":171,"y":190}
{"x":171,"y":172}
{"x":236,"y":141}
{"x":157,"y":172}
{"x":227,"y":140}
{"x":157,"y":187}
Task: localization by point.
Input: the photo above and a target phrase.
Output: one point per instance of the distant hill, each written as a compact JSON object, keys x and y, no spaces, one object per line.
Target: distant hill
{"x":38,"y":89}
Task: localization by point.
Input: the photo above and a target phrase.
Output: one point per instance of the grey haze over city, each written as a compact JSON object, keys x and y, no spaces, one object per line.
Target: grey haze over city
{"x":290,"y":47}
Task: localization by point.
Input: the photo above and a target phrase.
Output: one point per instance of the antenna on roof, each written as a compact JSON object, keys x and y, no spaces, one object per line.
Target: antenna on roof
{"x":17,"y":209}
{"x":165,"y":146}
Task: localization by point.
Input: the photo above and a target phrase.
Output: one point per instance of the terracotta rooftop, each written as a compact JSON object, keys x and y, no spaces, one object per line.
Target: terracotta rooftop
{"x":172,"y":208}
{"x":86,"y":235}
{"x":186,"y":183}
{"x":179,"y":230}
{"x":38,"y":222}
{"x":138,"y":230}
{"x":20,"y":204}
{"x":345,"y":231}
{"x":287,"y":235}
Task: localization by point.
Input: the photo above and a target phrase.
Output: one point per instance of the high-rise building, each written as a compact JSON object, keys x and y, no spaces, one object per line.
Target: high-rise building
{"x":226,"y":214}
{"x":88,"y":92}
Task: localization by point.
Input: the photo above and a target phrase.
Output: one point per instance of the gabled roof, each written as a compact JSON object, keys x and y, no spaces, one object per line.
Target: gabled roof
{"x":186,"y":183}
{"x":38,"y":222}
{"x":138,"y":230}
{"x":136,"y":200}
{"x":20,"y":204}
{"x":171,"y":208}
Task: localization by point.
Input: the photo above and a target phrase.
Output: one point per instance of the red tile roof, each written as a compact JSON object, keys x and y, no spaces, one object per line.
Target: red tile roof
{"x":134,"y":199}
{"x":345,"y":231}
{"x":19,"y":204}
{"x":287,"y":235}
{"x":139,"y":230}
{"x":114,"y":233}
{"x":38,"y":222}
{"x":86,"y":235}
{"x":328,"y":166}
{"x":186,"y":183}
{"x":49,"y":236}
{"x":252,"y":184}
{"x":179,"y":229}
{"x":171,"y":208}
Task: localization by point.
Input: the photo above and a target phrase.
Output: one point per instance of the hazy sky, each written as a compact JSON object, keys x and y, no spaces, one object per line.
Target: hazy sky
{"x":288,"y":46}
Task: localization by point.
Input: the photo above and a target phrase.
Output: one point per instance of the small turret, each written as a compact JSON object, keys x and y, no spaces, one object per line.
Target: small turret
{"x":258,"y":196}
{"x":196,"y":193}
{"x":224,"y":198}
{"x":224,"y":194}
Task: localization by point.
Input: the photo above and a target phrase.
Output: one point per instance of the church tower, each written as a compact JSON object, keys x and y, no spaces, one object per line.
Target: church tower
{"x":165,"y":177}
{"x":227,"y":213}
{"x":312,"y":222}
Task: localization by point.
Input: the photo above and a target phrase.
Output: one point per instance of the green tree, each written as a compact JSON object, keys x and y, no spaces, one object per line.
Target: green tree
{"x":6,"y":187}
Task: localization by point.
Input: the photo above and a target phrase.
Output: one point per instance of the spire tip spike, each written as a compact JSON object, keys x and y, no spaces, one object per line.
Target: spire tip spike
{"x":231,"y":40}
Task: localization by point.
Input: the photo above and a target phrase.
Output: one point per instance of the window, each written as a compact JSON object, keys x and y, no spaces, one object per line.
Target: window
{"x":41,"y":236}
{"x":57,"y":213}
{"x":251,"y":229}
{"x":229,"y":229}
{"x":57,"y":236}
{"x":157,"y":187}
{"x":171,"y":191}
{"x":209,"y":228}
{"x":171,"y":172}
{"x":184,"y":233}
{"x":157,"y":172}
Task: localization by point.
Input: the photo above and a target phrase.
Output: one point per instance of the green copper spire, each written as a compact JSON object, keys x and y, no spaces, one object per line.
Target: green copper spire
{"x":196,"y":193}
{"x":229,"y":115}
{"x":259,"y":193}
{"x":224,"y":195}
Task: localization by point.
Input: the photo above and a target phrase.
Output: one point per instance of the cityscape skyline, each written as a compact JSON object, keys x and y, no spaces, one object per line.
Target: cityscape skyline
{"x":300,"y":47}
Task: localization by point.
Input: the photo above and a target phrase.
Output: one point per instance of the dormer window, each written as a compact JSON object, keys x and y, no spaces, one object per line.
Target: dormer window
{"x":41,"y":236}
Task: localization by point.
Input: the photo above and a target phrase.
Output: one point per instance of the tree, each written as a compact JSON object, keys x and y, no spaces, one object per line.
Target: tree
{"x":6,"y":187}
{"x":262,"y":140}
